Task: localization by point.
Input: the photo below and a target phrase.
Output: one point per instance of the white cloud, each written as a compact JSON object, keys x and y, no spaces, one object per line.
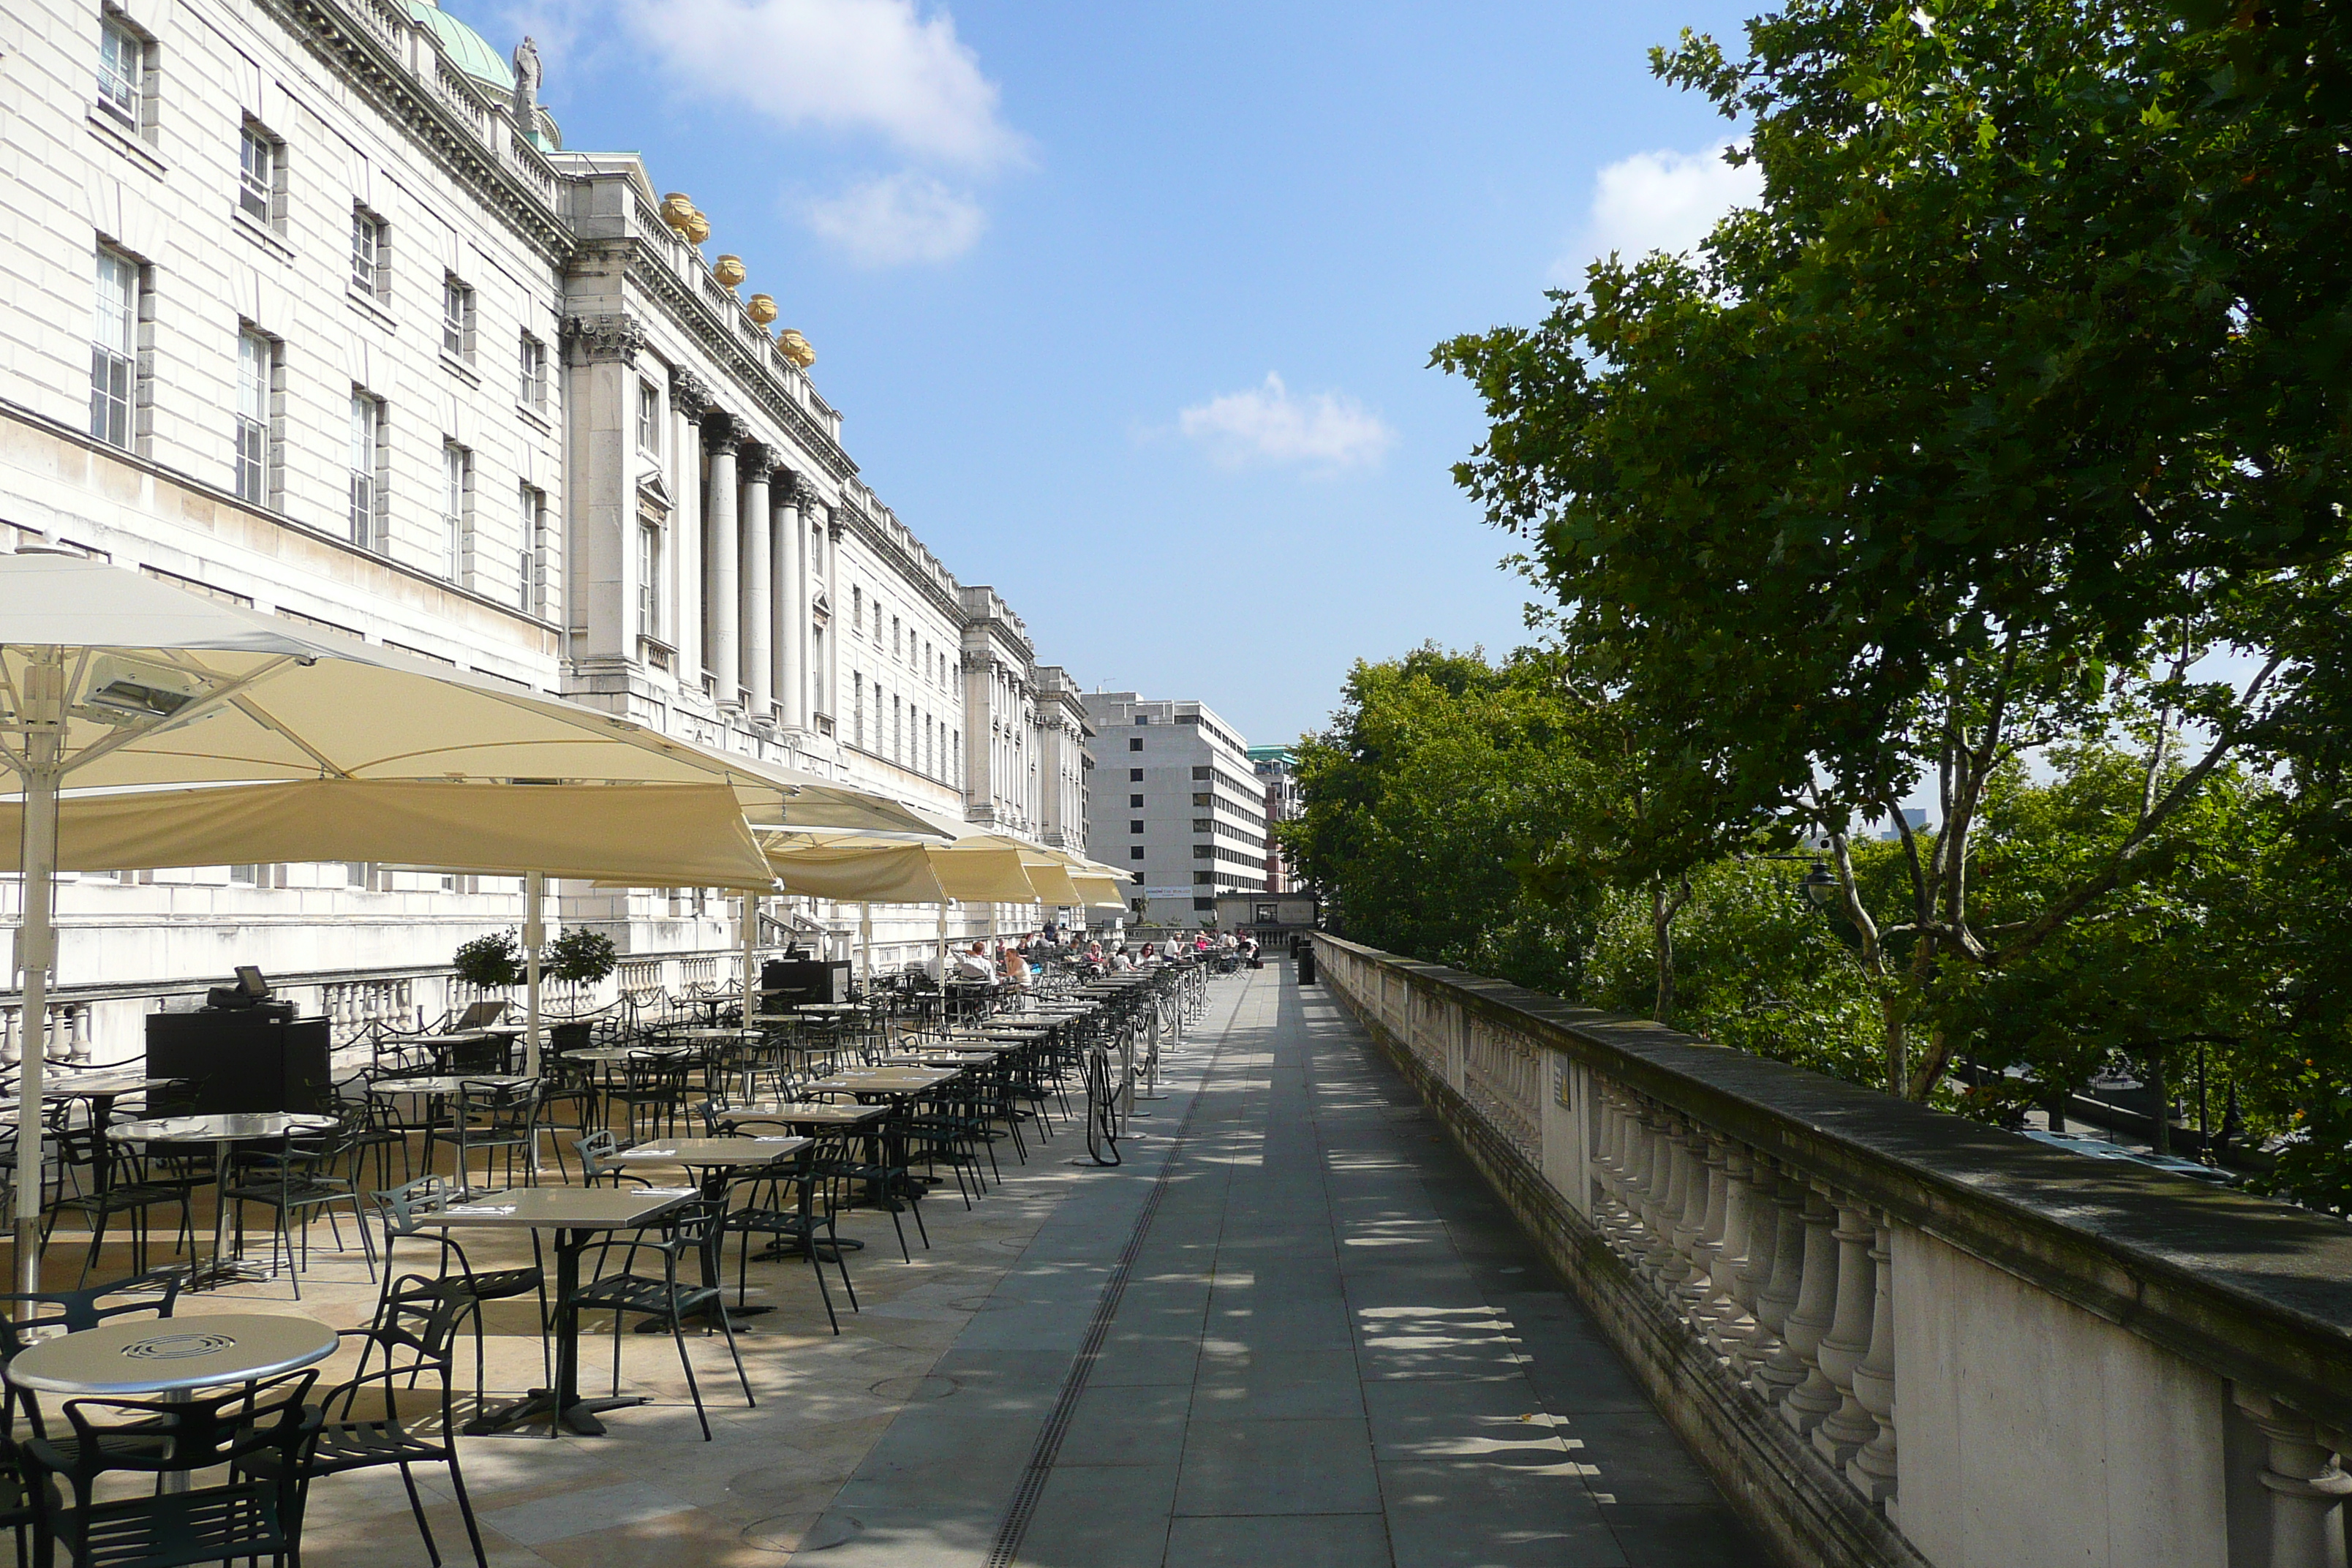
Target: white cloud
{"x":1660,"y":200}
{"x":892,"y":219}
{"x":1326,"y":431}
{"x":883,"y":67}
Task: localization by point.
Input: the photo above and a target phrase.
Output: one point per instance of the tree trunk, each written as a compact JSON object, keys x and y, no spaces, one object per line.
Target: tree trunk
{"x":2157,"y":1081}
{"x":1661,"y":935}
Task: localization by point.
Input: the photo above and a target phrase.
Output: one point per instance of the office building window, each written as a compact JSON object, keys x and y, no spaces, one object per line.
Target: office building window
{"x":649,"y":577}
{"x":114,"y":378}
{"x":457,"y":320}
{"x":123,"y":71}
{"x":857,"y":709}
{"x":368,"y":460}
{"x":261,"y":162}
{"x":530,"y":559}
{"x":1200,"y":773}
{"x":1135,"y":743}
{"x":1137,"y":854}
{"x":1135,"y":827}
{"x":371,"y":255}
{"x":258,"y":459}
{"x":650,"y":439}
{"x":457,"y":512}
{"x":1135,"y":776}
{"x":533,"y":376}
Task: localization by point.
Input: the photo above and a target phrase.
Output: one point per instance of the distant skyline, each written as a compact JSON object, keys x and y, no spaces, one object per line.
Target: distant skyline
{"x":1129,"y":312}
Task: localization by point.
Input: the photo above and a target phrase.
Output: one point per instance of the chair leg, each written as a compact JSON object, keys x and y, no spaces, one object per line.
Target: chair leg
{"x":416,"y":1507}
{"x":466,"y":1507}
{"x":678,"y":1337}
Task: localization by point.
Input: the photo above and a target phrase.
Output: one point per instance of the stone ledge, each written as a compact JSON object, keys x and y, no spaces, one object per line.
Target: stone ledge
{"x":2256,"y":1291}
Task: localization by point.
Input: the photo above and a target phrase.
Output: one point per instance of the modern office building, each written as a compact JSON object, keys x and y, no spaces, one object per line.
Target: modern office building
{"x":308,"y":307}
{"x":1175,"y":801}
{"x":1277,"y":771}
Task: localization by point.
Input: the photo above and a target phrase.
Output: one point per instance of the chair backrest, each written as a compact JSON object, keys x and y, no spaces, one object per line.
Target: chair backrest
{"x":595,"y":1150}
{"x":79,"y":1309}
{"x":195,"y":1432}
{"x":403,"y":1204}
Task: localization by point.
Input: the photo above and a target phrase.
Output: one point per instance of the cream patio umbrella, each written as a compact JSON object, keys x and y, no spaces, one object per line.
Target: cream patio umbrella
{"x":110,"y":679}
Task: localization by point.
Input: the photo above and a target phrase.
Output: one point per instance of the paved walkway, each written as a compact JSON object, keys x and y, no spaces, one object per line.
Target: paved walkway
{"x":1293,"y":1330}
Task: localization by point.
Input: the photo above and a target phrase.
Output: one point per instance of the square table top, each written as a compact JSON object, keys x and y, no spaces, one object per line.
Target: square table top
{"x":442,"y":1083}
{"x":809,"y":1113}
{"x":878,"y":1080}
{"x":737,"y":1151}
{"x":106,"y":1080}
{"x":560,"y":1208}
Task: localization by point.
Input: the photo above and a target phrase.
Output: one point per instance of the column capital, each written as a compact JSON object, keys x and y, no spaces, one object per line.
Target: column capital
{"x":788,"y":488}
{"x":605,"y":338}
{"x":722,"y":430}
{"x":689,"y":394}
{"x":757,"y":458}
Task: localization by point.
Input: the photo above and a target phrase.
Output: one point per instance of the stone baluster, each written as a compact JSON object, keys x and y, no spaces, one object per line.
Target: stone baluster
{"x":1608,"y":1168}
{"x":1843,"y":1432}
{"x":12,"y":1041}
{"x":1690,"y":1226}
{"x":1814,"y":1396}
{"x":1712,"y":1221}
{"x":2306,"y":1485}
{"x":1632,"y":1181}
{"x":1669,"y":1268}
{"x":1871,"y":1469}
{"x":1640,"y":1196}
{"x":1728,"y":1317}
{"x":1775,"y":1368}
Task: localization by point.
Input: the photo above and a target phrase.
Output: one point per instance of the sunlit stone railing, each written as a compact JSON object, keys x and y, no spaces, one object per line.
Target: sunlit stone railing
{"x":1894,"y":1335}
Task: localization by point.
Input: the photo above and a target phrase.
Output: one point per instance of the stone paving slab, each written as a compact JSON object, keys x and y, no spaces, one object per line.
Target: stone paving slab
{"x":1330,"y":1345}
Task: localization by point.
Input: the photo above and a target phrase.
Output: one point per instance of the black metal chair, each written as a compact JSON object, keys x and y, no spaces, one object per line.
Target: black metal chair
{"x":248,"y":1515}
{"x":466,"y":1287}
{"x":653,"y":1086}
{"x":691,"y":1231}
{"x":356,"y":1435}
{"x":133,"y":1185}
{"x":793,"y":1207}
{"x":491,"y":1118}
{"x":293,"y":1182}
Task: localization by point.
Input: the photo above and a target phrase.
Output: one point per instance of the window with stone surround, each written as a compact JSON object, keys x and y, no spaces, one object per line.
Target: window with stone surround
{"x":371,"y":255}
{"x":649,"y":579}
{"x":530,"y":557}
{"x":260,"y":419}
{"x":126,"y":74}
{"x":119,"y":306}
{"x":369,"y":458}
{"x":457,"y":512}
{"x":531,"y":368}
{"x":261,"y":176}
{"x":649,"y":420}
{"x":456,"y":319}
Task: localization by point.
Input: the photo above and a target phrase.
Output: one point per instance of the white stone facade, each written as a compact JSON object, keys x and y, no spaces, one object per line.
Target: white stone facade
{"x":307,"y":307}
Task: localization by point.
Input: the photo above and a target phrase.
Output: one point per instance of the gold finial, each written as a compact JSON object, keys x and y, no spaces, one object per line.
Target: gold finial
{"x":761,"y":308}
{"x":795,"y":348}
{"x":676,"y":208}
{"x":728,"y":271}
{"x":697,"y":227}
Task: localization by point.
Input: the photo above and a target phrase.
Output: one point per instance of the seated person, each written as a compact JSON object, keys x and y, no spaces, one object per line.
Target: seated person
{"x":974,"y":966}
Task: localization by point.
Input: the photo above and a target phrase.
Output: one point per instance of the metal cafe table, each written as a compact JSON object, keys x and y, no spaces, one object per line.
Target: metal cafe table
{"x":171,"y":1356}
{"x":715,"y":1161}
{"x":224,"y":1131}
{"x":577,"y":1216}
{"x":101,"y":1089}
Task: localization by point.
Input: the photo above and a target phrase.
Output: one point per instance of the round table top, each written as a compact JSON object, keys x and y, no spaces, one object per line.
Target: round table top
{"x":157,"y":1355}
{"x":442,"y":1083}
{"x":219,"y":1126}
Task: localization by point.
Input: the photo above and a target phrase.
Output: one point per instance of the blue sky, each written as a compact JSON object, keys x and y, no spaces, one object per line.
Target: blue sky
{"x":1128,"y":308}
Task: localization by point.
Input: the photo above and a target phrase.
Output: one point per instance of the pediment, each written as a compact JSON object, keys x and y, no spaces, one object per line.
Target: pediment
{"x":652,"y":493}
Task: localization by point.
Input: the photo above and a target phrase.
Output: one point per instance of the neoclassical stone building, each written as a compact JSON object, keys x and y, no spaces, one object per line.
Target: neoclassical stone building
{"x":309,"y":307}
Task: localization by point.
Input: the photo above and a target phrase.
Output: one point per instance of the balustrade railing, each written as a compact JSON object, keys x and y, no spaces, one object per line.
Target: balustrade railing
{"x":1899,"y":1336}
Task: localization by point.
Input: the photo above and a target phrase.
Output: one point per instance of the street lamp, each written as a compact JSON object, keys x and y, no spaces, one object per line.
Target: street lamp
{"x":1820,"y":885}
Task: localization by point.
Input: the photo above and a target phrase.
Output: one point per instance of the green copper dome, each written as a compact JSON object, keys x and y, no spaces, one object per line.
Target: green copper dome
{"x":467,"y":49}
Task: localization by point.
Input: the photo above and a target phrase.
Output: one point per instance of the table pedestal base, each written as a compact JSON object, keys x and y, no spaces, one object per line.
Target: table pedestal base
{"x":539,"y":1404}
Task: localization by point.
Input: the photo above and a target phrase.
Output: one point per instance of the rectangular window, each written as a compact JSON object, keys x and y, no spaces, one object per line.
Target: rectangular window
{"x":649,"y":440}
{"x":1135,"y":776}
{"x":457,"y":320}
{"x":122,"y":71}
{"x":257,"y":174}
{"x":649,"y":579}
{"x":1135,"y":802}
{"x":457,"y":512}
{"x":533,"y":376}
{"x":367,"y":461}
{"x":256,"y":360}
{"x":370,"y":254}
{"x":1137,"y":854}
{"x":115,"y":348}
{"x":530,"y":565}
{"x":897,"y":732}
{"x":1135,"y":743}
{"x":895,"y":654}
{"x":858,"y":609}
{"x":1197,"y":773}
{"x":1135,"y":827}
{"x":857,"y":709}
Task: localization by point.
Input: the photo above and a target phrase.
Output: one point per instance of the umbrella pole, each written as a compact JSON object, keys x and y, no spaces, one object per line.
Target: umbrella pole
{"x":751,"y":971}
{"x":534,"y":937}
{"x":943,"y":953}
{"x":866,"y":940}
{"x":44,"y":759}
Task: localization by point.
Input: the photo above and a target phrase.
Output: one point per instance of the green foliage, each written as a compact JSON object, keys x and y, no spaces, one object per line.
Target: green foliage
{"x":1439,"y":779}
{"x":491,"y":962}
{"x":579,"y":956}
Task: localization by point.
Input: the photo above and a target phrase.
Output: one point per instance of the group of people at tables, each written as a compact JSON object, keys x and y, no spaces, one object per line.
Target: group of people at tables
{"x":1015,"y":960}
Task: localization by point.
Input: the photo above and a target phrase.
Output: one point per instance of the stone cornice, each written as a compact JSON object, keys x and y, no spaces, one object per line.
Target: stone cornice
{"x":910,"y":570}
{"x":343,"y":41}
{"x":726,"y":350}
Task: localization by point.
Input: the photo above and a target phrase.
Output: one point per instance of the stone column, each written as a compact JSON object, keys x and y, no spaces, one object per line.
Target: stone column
{"x":691,"y":399}
{"x":1753,"y":1340}
{"x":599,"y":497}
{"x":722,"y":552}
{"x":828,"y":677}
{"x":1842,"y":1435}
{"x":1817,"y":1299}
{"x":791,"y":598}
{"x":755,"y":673}
{"x":1872,"y":1468}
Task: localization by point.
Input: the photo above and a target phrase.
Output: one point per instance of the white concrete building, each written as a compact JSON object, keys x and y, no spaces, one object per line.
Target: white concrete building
{"x":308,"y":307}
{"x":1177,"y":802}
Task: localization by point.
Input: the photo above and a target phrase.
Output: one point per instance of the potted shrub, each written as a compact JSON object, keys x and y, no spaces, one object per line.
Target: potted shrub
{"x":579,"y":957}
{"x":490,"y":963}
